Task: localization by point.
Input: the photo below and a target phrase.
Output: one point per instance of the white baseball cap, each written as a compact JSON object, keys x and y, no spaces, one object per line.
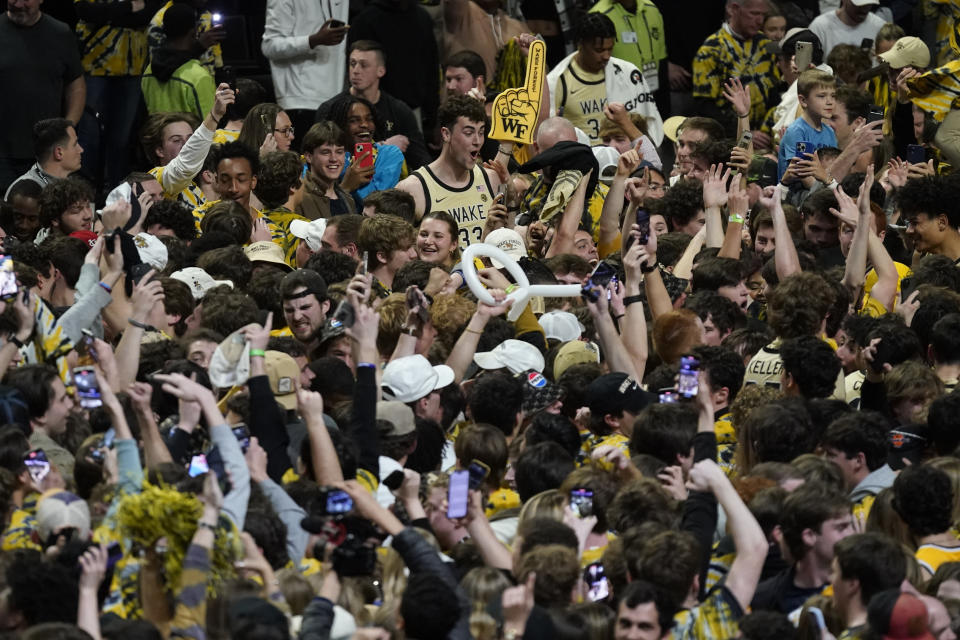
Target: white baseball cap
{"x":607,"y":158}
{"x":508,"y":241}
{"x":198,"y":280}
{"x":151,"y":250}
{"x":516,"y":355}
{"x":413,"y":377}
{"x":311,"y":232}
{"x":561,"y":325}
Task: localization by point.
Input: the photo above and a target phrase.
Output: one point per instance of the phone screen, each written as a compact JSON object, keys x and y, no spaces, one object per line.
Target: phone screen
{"x":597,"y":582}
{"x":689,"y":384}
{"x":916,"y":154}
{"x":37,"y":464}
{"x":8,"y":279}
{"x":108,"y":437}
{"x":198,"y":466}
{"x":643,"y":221}
{"x":602,"y":274}
{"x":88,"y":391}
{"x":745,"y":140}
{"x":363,"y":265}
{"x":215,"y":461}
{"x":457,"y":495}
{"x":242,"y":433}
{"x":338,"y":502}
{"x":581,"y":502}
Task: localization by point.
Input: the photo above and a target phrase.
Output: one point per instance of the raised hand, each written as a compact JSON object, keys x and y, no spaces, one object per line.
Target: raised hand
{"x":738,"y":96}
{"x":715,"y":186}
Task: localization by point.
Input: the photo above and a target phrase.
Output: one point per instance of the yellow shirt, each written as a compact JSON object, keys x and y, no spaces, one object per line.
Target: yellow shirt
{"x":931,"y":556}
{"x":111,"y":51}
{"x":583,"y":97}
{"x":222,"y":136}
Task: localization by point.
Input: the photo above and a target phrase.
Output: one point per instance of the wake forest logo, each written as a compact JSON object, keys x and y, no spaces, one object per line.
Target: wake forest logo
{"x":515,"y":111}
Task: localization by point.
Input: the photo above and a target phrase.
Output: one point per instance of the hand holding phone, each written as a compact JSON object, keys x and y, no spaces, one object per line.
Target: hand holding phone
{"x":88,"y":389}
{"x":363,"y":155}
{"x":688,"y":384}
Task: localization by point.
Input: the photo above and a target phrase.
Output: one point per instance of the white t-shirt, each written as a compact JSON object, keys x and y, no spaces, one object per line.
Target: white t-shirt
{"x":831,"y":31}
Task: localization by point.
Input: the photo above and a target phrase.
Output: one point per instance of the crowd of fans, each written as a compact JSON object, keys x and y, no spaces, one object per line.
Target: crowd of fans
{"x":252,"y":389}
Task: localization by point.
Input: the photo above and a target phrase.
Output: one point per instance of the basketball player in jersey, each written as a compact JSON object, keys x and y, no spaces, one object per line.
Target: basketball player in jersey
{"x":456,"y":182}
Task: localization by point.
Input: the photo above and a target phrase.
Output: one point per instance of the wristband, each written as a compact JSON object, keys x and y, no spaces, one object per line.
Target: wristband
{"x":629,"y":300}
{"x":106,"y":287}
{"x":735,"y":217}
{"x":140,"y":325}
{"x":504,"y":151}
{"x":206,"y":525}
{"x":510,"y":289}
{"x":469,"y":330}
{"x":619,"y":316}
{"x":743,"y":115}
{"x":257,"y":353}
{"x":645,"y":268}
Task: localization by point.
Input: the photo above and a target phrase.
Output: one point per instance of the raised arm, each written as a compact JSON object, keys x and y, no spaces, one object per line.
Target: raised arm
{"x":737,"y":206}
{"x":326,"y":465}
{"x":155,"y":451}
{"x":188,"y":163}
{"x":633,"y":330}
{"x":146,"y":295}
{"x":570,"y":220}
{"x":748,"y":538}
{"x":684,"y":267}
{"x":714,"y":197}
{"x":363,"y":424}
{"x":610,"y":342}
{"x":613,"y":203}
{"x":787,"y":262}
{"x":856,"y":268}
{"x":462,"y":353}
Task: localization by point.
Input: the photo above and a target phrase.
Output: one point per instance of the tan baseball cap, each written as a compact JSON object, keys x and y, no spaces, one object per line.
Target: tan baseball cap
{"x":908,"y":51}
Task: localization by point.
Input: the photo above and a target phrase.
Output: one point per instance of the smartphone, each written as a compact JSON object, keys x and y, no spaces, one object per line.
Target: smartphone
{"x":598,"y":586}
{"x":364,"y":263}
{"x":88,"y":391}
{"x":216,"y":19}
{"x":688,"y":383}
{"x":114,"y":554}
{"x":803,"y":148}
{"x":8,"y":279}
{"x":394,"y":480}
{"x":602,"y":274}
{"x":215,"y":462}
{"x":227,"y":74}
{"x":242,"y":433}
{"x":457,"y":496}
{"x":880,"y":357}
{"x":478,"y":473}
{"x":502,"y":191}
{"x":817,"y":616}
{"x":37,"y":464}
{"x":336,"y":24}
{"x":907,"y":286}
{"x":745,"y":140}
{"x":338,"y":502}
{"x":668,"y":395}
{"x":803,"y":55}
{"x":198,"y":466}
{"x":415,"y":298}
{"x":114,"y":236}
{"x":108,"y":437}
{"x":85,"y":347}
{"x":643,"y":221}
{"x":345,"y":314}
{"x":364,"y":148}
{"x":876,"y":113}
{"x":581,"y":502}
{"x":916,"y":154}
{"x":866,"y":44}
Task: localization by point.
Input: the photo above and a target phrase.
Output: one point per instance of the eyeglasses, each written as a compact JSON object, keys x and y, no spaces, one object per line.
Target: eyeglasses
{"x":287,"y":132}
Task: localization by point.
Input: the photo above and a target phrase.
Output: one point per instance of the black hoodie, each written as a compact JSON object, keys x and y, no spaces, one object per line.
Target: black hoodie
{"x":166,"y":61}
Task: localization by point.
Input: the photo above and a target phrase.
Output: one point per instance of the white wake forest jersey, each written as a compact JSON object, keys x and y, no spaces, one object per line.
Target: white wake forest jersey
{"x":583,"y":97}
{"x":467,"y":204}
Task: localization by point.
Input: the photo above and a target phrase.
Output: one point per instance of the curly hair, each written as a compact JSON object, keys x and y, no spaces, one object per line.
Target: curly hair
{"x":279,"y":176}
{"x":228,"y":217}
{"x":641,"y":501}
{"x":60,"y":195}
{"x":931,"y":196}
{"x":723,"y":312}
{"x":923,"y":496}
{"x":227,"y":263}
{"x":496,"y":398}
{"x":723,"y":367}
{"x":227,"y":312}
{"x":682,"y":202}
{"x":812,"y":364}
{"x":594,"y":26}
{"x":233,"y":150}
{"x":799,"y":304}
{"x":779,"y":431}
{"x":457,"y":106}
{"x":340,"y":115}
{"x":172,"y":215}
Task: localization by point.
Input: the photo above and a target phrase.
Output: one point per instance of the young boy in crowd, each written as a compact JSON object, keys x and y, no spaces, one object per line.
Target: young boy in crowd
{"x":817,"y":91}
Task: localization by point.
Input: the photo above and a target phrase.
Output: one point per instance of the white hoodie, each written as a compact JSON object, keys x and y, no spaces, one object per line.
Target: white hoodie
{"x":303,"y":78}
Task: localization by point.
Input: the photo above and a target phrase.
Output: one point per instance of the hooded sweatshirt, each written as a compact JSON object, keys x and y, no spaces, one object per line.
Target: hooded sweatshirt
{"x":176,"y":81}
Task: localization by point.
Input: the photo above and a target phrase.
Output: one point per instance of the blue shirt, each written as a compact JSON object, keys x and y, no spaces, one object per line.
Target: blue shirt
{"x":387,"y":169}
{"x":800,"y":130}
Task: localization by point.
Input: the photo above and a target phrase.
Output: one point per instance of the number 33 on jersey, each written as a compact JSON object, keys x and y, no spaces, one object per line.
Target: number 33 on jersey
{"x":468,"y":204}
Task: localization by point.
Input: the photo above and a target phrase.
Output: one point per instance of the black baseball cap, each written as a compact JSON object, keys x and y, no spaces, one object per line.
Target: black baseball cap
{"x":308,"y":278}
{"x":615,"y":393}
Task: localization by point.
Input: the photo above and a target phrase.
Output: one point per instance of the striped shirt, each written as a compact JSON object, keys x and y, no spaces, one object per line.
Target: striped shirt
{"x":212,"y":58}
{"x":111,"y":51}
